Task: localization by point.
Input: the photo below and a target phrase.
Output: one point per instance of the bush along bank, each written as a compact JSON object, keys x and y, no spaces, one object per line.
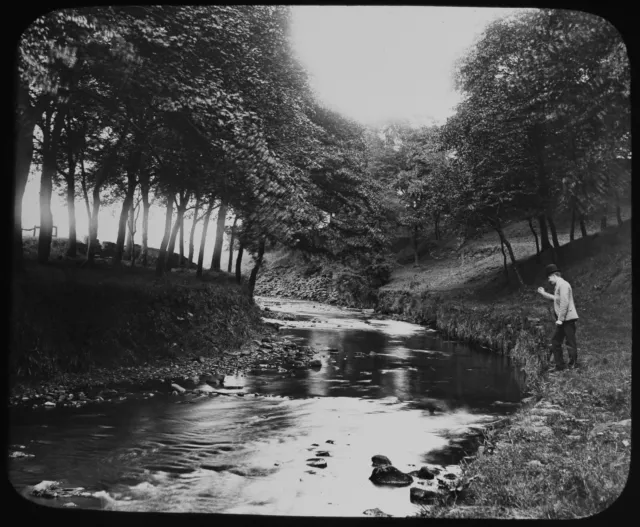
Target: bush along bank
{"x":74,"y":342}
{"x":321,"y":280}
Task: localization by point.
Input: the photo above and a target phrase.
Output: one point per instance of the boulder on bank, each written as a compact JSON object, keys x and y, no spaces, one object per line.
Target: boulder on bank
{"x":423,"y":496}
{"x":380,"y":461}
{"x":425,"y":473}
{"x":391,"y":476}
{"x":46,"y":489}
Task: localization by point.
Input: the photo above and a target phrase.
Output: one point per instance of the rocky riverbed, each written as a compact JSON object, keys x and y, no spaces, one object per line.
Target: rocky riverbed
{"x":214,"y":374}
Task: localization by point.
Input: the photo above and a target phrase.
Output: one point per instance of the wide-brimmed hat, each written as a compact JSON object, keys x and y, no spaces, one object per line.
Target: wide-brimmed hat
{"x":551,"y":268}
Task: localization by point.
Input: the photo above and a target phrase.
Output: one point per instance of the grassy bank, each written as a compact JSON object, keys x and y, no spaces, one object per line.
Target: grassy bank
{"x":567,"y":455}
{"x":71,"y":320}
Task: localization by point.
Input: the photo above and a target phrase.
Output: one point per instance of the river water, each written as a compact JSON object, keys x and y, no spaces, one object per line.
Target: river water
{"x":247,"y":455}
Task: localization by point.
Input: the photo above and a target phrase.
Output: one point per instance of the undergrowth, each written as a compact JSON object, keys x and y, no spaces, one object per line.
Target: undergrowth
{"x":72,"y":325}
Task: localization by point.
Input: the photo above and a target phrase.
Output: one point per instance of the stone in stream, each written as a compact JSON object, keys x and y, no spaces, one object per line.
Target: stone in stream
{"x":204,"y":388}
{"x":317,"y":462}
{"x":323,"y":453}
{"x":46,"y":489}
{"x":380,"y":461}
{"x":315,"y":363}
{"x":425,"y":473}
{"x":178,"y":388}
{"x":376,"y":513}
{"x":18,"y":454}
{"x":391,"y":476}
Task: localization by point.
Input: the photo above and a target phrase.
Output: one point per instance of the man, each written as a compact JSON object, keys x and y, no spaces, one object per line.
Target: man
{"x":566,"y":316}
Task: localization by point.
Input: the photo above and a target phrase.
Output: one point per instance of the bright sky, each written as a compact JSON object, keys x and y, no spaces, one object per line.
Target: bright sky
{"x":371,"y":63}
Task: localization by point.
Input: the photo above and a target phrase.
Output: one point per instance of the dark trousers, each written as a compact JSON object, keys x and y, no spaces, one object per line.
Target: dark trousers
{"x":567,"y":331}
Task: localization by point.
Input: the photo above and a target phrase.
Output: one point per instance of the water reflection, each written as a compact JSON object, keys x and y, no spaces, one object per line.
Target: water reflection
{"x":374,"y":363}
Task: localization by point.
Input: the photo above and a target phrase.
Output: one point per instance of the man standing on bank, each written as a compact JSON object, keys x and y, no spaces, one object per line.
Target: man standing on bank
{"x":566,"y":316}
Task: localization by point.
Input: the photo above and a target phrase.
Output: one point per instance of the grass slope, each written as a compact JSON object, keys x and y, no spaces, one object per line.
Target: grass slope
{"x":567,"y":453}
{"x":69,"y":319}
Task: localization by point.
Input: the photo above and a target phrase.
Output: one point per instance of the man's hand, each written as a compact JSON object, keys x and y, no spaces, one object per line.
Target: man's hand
{"x":558,"y":322}
{"x":541,"y":290}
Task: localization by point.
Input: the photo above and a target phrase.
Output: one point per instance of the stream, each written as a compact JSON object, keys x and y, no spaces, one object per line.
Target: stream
{"x":385,"y":387}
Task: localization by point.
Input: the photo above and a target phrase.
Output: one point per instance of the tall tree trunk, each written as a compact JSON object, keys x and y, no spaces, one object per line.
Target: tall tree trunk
{"x":72,"y":248}
{"x":554,"y":233}
{"x":127,"y":208}
{"x":535,"y":235}
{"x":101,"y":178}
{"x":415,"y":245}
{"x":603,"y":220}
{"x":130,"y":253}
{"x":24,"y":157}
{"x":506,"y":243}
{"x":256,"y":267}
{"x":26,"y":118}
{"x":70,"y":178}
{"x":572,"y":231}
{"x":193,"y":230}
{"x":133,"y":167}
{"x":172,"y":239}
{"x":144,"y":192}
{"x":504,"y":260}
{"x":544,"y":233}
{"x":51,"y":139}
{"x":203,"y":241}
{"x":618,"y":208}
{"x":160,"y":264}
{"x":182,"y":206}
{"x":217,"y":248}
{"x":618,"y":213}
{"x":181,"y":252}
{"x":239,"y":263}
{"x":583,"y":226}
{"x":93,"y":226}
{"x":85,"y":194}
{"x":231,"y":242}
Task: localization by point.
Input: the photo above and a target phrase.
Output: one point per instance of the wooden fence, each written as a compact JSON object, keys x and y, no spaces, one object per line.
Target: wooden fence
{"x":37,"y":228}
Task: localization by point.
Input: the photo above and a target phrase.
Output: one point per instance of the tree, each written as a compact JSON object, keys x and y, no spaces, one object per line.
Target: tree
{"x":554,"y":110}
{"x":217,"y":248}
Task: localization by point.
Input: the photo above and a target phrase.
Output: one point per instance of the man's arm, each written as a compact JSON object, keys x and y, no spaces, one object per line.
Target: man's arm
{"x":563,"y":293}
{"x":545,"y":294}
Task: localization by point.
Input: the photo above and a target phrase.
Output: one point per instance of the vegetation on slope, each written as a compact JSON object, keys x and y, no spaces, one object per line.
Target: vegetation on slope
{"x":66,"y":319}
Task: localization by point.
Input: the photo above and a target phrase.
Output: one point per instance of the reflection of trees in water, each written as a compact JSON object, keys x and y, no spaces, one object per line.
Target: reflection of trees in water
{"x":461,"y":375}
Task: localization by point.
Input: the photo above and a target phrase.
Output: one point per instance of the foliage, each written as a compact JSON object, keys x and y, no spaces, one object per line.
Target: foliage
{"x":543,"y":125}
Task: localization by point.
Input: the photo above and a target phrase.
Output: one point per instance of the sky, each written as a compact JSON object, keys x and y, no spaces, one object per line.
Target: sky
{"x":370,"y":63}
{"x":374,"y":63}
